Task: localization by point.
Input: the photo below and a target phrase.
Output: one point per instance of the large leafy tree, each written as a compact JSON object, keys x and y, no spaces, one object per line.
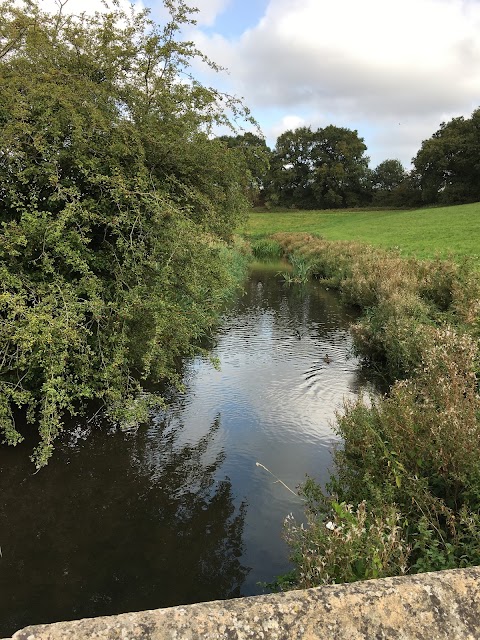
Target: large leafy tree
{"x":326,"y":168}
{"x":292,"y":167}
{"x":388,"y":175}
{"x":448,"y":163}
{"x":114,"y":201}
{"x":341,"y":168}
{"x":386,"y":180}
{"x":253,"y":152}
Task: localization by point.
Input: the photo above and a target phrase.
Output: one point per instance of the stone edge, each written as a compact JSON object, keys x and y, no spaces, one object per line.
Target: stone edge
{"x":443,"y":605}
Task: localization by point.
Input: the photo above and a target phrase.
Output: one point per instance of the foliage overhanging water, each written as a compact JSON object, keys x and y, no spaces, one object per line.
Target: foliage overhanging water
{"x":177,"y":511}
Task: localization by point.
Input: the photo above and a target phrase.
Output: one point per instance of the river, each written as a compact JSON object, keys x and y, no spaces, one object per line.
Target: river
{"x":178,"y":511}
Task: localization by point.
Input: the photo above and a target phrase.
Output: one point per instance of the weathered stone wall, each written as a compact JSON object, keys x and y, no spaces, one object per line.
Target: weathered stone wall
{"x":433,"y":606}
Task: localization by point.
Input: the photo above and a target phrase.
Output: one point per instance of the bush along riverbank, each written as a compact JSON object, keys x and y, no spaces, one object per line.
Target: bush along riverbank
{"x":117,"y":212}
{"x":404,"y":496}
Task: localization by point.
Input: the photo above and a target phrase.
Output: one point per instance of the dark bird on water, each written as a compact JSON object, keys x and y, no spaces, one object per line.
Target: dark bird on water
{"x":327,"y":359}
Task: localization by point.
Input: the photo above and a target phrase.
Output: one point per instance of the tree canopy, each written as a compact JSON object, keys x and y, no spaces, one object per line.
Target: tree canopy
{"x":388,"y":175}
{"x":387,"y":179}
{"x":255,"y":155}
{"x":326,"y":168}
{"x":448,"y":163}
{"x":115,"y":204}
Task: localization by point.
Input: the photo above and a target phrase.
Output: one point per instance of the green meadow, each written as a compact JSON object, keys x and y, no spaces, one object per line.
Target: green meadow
{"x":425,"y":233}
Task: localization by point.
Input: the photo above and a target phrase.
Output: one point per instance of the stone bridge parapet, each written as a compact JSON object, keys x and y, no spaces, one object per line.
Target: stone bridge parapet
{"x":430,"y":606}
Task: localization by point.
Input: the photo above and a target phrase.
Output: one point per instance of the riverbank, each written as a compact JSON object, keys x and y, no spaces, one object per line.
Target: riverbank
{"x":405,"y":492}
{"x":445,"y":232}
{"x":192,"y":515}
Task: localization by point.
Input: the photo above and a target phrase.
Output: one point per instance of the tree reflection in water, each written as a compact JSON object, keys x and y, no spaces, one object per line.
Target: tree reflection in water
{"x":117,"y":523}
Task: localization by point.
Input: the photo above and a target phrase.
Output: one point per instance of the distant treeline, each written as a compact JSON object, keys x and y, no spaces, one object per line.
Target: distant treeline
{"x":328,"y":169}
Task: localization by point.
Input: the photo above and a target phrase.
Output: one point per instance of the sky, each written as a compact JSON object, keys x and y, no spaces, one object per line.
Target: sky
{"x":391,"y":70}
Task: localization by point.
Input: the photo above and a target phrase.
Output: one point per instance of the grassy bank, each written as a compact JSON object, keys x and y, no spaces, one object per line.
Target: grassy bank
{"x":404,"y":496}
{"x":423,"y":233}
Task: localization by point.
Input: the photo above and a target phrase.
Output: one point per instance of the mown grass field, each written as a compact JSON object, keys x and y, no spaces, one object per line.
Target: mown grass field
{"x":425,"y":233}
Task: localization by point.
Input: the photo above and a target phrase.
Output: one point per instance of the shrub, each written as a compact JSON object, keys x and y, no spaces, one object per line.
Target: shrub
{"x":345,"y":544}
{"x":116,"y":210}
{"x":410,"y":463}
{"x":400,"y":297}
{"x":405,"y":494}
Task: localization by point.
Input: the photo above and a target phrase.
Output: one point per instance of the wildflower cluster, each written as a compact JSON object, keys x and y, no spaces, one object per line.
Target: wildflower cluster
{"x":354,"y":544}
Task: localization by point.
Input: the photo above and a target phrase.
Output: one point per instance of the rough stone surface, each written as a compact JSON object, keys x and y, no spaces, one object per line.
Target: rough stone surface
{"x":433,"y":606}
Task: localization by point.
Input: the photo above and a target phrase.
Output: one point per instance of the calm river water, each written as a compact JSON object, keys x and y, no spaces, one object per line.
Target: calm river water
{"x":178,"y":511}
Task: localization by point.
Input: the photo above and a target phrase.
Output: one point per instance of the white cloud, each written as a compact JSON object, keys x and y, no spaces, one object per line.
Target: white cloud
{"x":217,"y":48}
{"x":373,"y":64}
{"x":391,"y":70}
{"x":208,"y":10}
{"x":407,"y":57}
{"x":288,"y":123}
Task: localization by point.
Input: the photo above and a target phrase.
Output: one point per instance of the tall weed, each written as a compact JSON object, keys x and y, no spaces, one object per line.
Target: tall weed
{"x":346,"y":544}
{"x":405,"y":494}
{"x":266,"y":249}
{"x":410,"y":462}
{"x":400,"y":297}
